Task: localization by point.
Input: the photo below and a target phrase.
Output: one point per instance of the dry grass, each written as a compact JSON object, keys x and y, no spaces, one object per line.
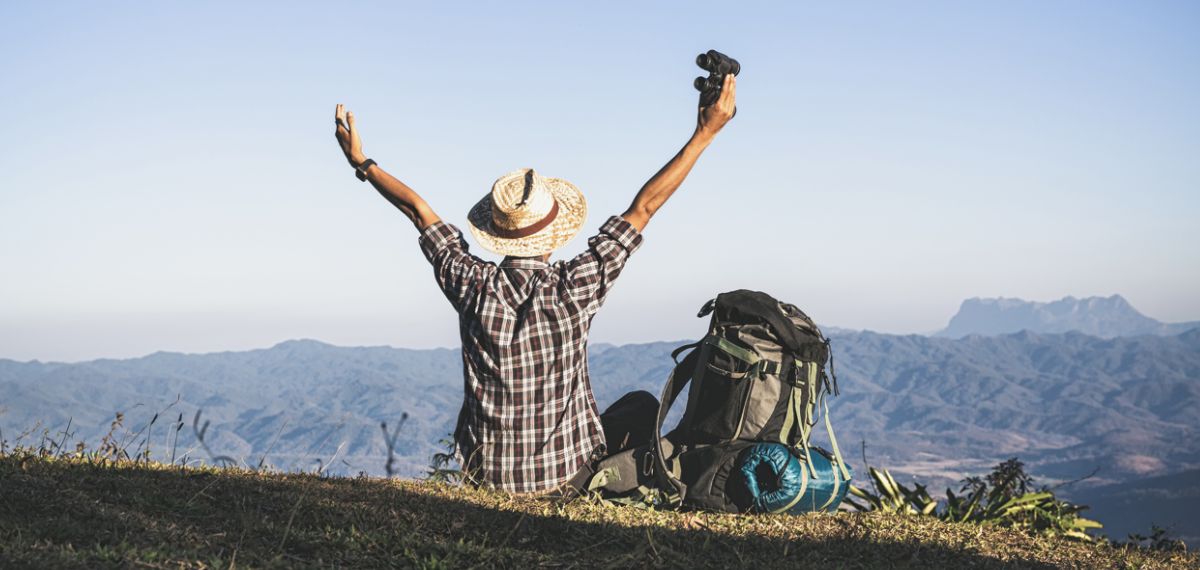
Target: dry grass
{"x":80,"y":513}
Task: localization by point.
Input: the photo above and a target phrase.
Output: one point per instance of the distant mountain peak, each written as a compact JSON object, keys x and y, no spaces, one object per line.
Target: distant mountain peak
{"x":1105,"y":317}
{"x":301,"y":344}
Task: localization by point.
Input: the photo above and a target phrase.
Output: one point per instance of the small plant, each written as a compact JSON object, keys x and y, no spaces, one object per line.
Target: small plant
{"x":442,"y":466}
{"x":109,"y":449}
{"x":59,"y":448}
{"x":262,"y":461}
{"x":1003,"y":498}
{"x":1158,"y":539}
{"x":892,"y":497}
{"x":389,"y":438}
{"x":174,"y":435}
{"x":200,"y":431}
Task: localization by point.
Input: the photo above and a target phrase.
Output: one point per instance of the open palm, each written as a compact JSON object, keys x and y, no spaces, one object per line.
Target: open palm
{"x":347,"y":135}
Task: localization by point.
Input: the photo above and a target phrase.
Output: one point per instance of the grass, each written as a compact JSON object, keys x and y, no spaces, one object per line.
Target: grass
{"x":57,"y":512}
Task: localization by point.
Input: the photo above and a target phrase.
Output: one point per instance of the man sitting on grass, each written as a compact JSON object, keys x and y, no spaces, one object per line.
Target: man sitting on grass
{"x":529,"y":422}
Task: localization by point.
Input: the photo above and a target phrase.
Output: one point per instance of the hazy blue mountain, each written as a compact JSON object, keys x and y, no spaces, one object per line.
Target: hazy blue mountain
{"x":1065,"y":403}
{"x":934,"y":409}
{"x":314,"y":395}
{"x":1105,"y":317}
{"x":1170,"y":501}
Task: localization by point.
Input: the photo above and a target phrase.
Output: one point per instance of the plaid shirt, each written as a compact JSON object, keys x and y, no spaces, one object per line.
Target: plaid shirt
{"x":529,"y":421}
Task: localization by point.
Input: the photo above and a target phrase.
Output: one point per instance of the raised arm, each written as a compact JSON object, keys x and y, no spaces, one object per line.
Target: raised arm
{"x":655,"y":192}
{"x":395,"y":191}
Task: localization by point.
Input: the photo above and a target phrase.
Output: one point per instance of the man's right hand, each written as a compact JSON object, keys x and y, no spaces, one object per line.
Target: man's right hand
{"x":713,"y":117}
{"x":664,"y":183}
{"x":347,"y":136}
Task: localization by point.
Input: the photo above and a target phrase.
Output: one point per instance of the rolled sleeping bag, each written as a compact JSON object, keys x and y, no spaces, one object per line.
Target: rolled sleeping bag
{"x":776,"y":481}
{"x":772,"y":476}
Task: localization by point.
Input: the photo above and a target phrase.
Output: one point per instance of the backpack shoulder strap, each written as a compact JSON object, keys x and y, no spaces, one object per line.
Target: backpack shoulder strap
{"x":676,"y":381}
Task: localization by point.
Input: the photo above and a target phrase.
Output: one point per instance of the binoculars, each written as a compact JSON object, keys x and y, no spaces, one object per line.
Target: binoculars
{"x":718,"y":65}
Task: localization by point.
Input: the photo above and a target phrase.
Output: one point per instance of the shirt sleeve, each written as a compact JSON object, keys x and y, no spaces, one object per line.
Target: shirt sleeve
{"x":458,"y":273}
{"x":591,"y":274}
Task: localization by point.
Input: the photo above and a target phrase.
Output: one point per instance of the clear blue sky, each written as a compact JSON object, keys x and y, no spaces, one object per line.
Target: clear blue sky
{"x":169,"y":179}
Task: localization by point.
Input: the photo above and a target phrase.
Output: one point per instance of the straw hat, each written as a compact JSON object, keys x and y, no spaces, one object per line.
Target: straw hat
{"x":527,"y":215}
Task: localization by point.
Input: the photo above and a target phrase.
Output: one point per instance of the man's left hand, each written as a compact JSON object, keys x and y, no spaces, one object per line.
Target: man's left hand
{"x":712,"y":119}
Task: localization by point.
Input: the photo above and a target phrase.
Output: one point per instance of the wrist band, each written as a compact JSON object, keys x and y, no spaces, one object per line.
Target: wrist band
{"x":361,"y":170}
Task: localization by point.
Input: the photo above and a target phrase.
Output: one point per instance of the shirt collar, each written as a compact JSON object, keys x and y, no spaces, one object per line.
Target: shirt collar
{"x":524,"y":263}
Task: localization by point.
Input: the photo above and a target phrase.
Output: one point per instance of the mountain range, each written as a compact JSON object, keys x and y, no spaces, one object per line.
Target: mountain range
{"x":930,"y":409}
{"x":1105,"y":317}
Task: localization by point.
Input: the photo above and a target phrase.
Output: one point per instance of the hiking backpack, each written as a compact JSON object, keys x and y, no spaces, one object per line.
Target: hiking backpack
{"x":743,"y":444}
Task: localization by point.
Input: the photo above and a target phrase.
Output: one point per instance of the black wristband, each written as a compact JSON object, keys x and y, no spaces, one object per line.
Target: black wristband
{"x":361,"y":170}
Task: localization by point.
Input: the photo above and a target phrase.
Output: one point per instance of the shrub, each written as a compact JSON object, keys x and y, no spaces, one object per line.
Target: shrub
{"x":1003,"y":498}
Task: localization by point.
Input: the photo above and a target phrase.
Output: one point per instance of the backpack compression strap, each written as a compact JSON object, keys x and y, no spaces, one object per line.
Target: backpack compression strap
{"x":679,"y":377}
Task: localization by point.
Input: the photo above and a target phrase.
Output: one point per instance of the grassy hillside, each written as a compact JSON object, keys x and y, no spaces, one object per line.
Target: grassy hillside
{"x":71,"y":513}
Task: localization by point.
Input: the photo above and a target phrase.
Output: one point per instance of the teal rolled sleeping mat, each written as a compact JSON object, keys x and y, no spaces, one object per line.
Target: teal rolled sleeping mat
{"x":776,"y":480}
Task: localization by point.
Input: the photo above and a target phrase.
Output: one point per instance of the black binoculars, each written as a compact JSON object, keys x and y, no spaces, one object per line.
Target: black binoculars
{"x":718,"y":65}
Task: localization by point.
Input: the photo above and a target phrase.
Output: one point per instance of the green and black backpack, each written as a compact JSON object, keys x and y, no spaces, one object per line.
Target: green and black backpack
{"x":757,"y":380}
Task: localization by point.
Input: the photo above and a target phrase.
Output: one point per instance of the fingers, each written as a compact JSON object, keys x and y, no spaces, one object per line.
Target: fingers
{"x":729,"y":91}
{"x":339,"y":120}
{"x":353,"y":131}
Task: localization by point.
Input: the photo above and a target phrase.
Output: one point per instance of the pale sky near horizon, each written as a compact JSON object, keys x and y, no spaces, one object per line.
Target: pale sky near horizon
{"x":169,"y":179}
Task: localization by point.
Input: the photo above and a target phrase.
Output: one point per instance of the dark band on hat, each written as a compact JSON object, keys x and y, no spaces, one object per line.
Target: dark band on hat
{"x":527,"y":230}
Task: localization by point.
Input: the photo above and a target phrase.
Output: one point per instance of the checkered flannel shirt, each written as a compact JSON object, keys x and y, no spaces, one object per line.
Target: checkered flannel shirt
{"x":529,"y":420}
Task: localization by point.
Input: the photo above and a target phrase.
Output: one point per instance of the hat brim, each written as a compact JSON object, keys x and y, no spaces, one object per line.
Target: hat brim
{"x":572,"y":213}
